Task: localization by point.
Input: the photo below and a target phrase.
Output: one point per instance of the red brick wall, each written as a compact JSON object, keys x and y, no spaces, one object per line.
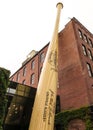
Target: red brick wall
{"x":73,"y":91}
{"x":84,"y":59}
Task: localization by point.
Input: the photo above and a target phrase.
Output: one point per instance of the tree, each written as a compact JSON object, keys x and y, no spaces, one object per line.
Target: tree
{"x":4,"y":81}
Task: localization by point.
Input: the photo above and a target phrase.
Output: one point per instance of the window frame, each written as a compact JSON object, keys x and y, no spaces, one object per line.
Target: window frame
{"x":42,"y":57}
{"x":24,"y":82}
{"x":90,"y":54}
{"x":80,"y":34}
{"x":18,"y":77}
{"x":85,"y":38}
{"x":32,"y":79}
{"x":32,"y":64}
{"x":89,"y":70}
{"x":90,"y":42}
{"x":84,"y":50}
{"x":24,"y":71}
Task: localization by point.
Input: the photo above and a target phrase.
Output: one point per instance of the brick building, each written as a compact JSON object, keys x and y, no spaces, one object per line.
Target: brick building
{"x":75,"y":71}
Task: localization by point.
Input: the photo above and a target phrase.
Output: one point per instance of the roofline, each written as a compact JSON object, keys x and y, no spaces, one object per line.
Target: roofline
{"x":30,"y":59}
{"x":82,"y":26}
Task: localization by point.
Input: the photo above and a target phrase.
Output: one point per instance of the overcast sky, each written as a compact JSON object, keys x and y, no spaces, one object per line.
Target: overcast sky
{"x":27,"y":25}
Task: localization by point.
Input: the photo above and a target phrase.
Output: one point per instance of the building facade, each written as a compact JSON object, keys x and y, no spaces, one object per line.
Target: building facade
{"x":75,"y":63}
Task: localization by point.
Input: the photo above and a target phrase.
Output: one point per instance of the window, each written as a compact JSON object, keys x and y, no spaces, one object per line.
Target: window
{"x":85,"y":38}
{"x":20,"y":90}
{"x":90,"y":54}
{"x":42,"y":57}
{"x":84,"y":50}
{"x":33,"y":78}
{"x":24,"y":71}
{"x":24,"y":82}
{"x":90,"y":42}
{"x":18,"y":77}
{"x":33,"y":64}
{"x":80,"y":34}
{"x":27,"y":91}
{"x":11,"y":90}
{"x":89,"y":69}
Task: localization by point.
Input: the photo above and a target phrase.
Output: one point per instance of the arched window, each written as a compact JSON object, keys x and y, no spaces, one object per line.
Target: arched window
{"x":18,"y":77}
{"x":33,"y":64}
{"x":85,"y":38}
{"x":32,"y":78}
{"x":90,"y":54}
{"x":24,"y":81}
{"x":80,"y":34}
{"x":42,"y":57}
{"x":84,"y":50}
{"x":90,"y":42}
{"x":89,"y":69}
{"x":24,"y":71}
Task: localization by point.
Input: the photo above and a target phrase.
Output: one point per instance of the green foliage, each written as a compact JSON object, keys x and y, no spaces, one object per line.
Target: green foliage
{"x":4,"y":81}
{"x":65,"y":117}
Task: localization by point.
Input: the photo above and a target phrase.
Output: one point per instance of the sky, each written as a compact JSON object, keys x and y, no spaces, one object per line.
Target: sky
{"x":27,"y":25}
